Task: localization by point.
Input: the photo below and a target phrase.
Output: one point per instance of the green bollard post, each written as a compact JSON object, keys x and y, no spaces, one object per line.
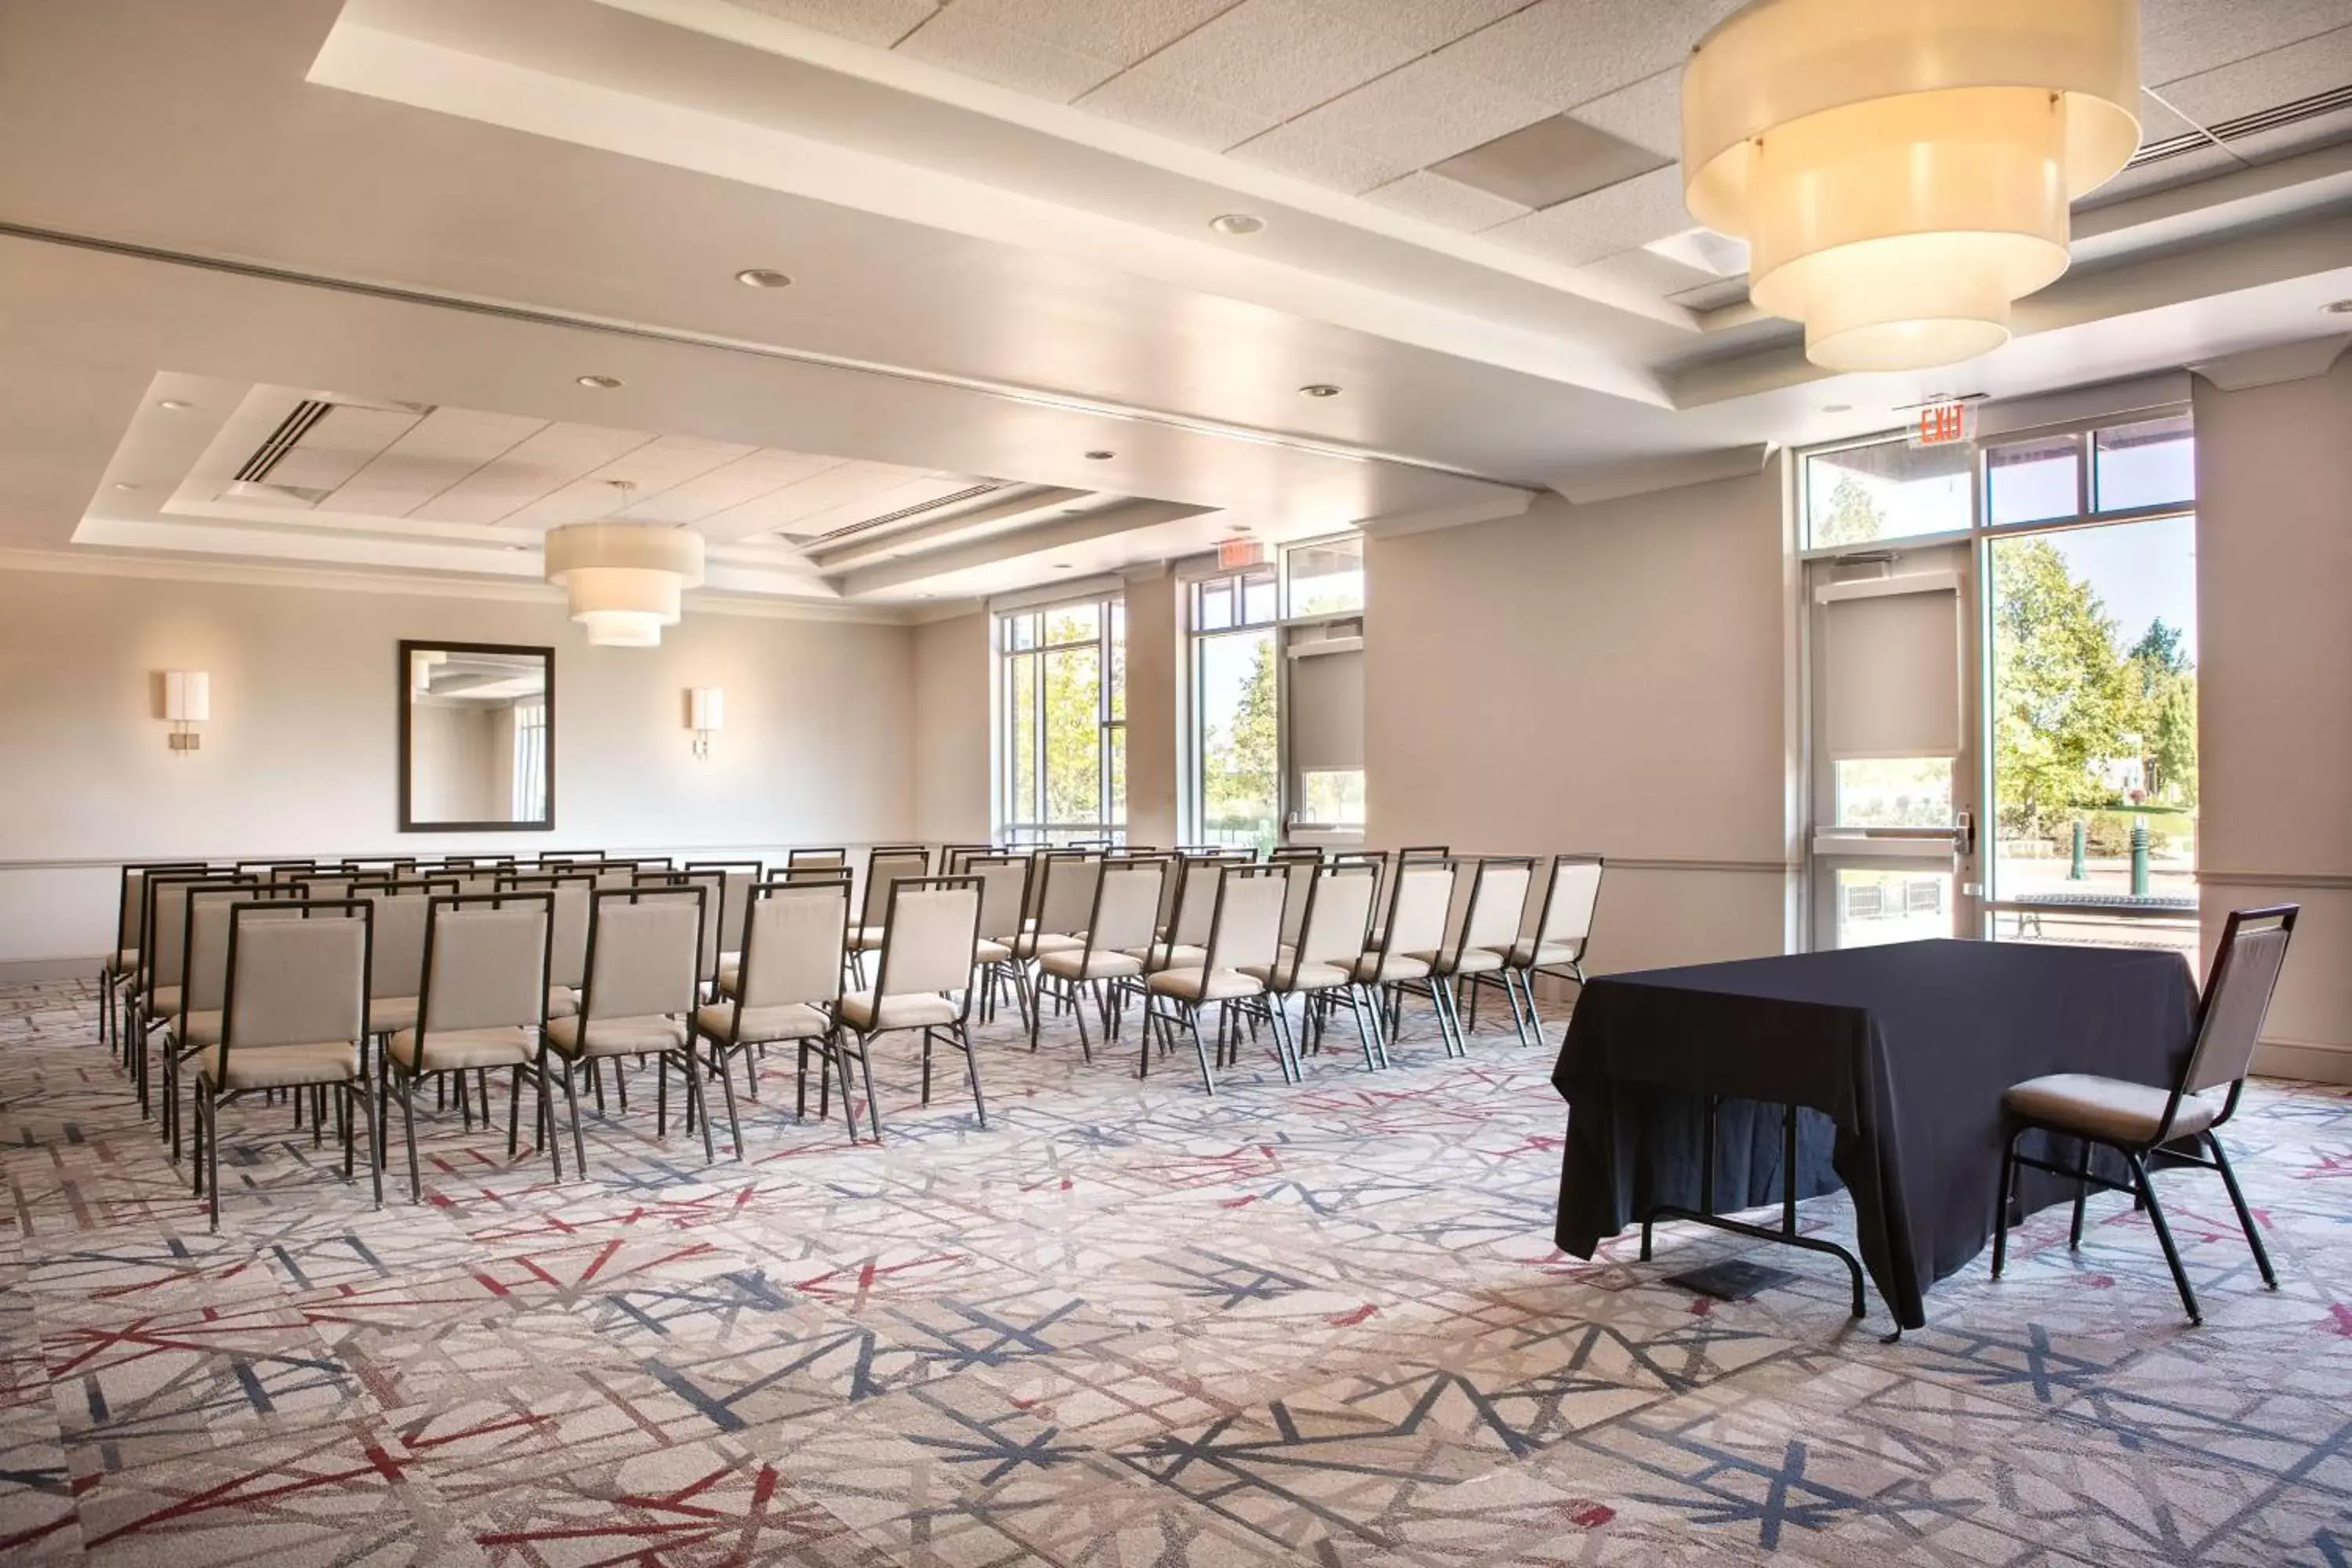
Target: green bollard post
{"x":2139,"y":859}
{"x":2074,"y":865}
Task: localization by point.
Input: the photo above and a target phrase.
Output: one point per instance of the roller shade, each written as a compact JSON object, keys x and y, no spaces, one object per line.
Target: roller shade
{"x":1326,"y":711}
{"x":1892,"y":674}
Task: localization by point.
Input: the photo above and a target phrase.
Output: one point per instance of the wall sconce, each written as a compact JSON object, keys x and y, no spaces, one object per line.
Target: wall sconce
{"x":187,"y":702}
{"x":705,"y":711}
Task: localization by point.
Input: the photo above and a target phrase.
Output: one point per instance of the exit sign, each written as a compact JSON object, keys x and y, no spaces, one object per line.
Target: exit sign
{"x":1945,"y":425}
{"x":1237,"y":553}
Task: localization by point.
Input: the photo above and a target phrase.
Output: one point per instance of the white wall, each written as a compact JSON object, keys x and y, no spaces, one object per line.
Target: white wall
{"x":300,"y":755}
{"x":952,"y":716}
{"x":1605,"y":678}
{"x":2275,"y":690}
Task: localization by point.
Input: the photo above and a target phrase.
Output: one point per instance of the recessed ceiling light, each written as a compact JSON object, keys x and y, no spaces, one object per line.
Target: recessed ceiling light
{"x":124,"y":485}
{"x":1241,"y":528}
{"x":763,"y":277}
{"x":1060,"y":567}
{"x":174,"y":403}
{"x":1100,"y":456}
{"x":1837,"y":407}
{"x":2338,"y":307}
{"x":1319,"y":389}
{"x":601,"y":383}
{"x":1237,"y":223}
{"x":517,"y":547}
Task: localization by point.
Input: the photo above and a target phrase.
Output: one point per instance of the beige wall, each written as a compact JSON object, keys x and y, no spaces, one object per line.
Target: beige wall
{"x":2275,"y":690}
{"x":1155,"y":666}
{"x":1607,"y":677}
{"x":300,"y":754}
{"x":952,"y":720}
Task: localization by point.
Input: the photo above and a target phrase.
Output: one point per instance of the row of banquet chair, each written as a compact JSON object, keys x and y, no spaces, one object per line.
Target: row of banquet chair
{"x":365,"y":979}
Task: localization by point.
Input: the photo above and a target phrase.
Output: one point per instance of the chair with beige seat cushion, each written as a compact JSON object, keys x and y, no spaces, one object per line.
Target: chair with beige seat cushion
{"x":1562,"y":929}
{"x":787,"y":990}
{"x":1321,"y":965}
{"x":195,"y":1021}
{"x":294,"y":1015}
{"x":155,"y":994}
{"x":1003,"y":903}
{"x":2135,"y":1119}
{"x":1412,"y":936}
{"x":736,"y":880}
{"x":645,"y":949}
{"x":1245,"y":934}
{"x":814,"y":875}
{"x":120,"y":972}
{"x":396,"y":970}
{"x":1481,"y":948}
{"x":924,"y":980}
{"x":482,"y":1005}
{"x":1063,"y":890}
{"x":1125,"y":914}
{"x":886,"y":866}
{"x":1183,"y":938}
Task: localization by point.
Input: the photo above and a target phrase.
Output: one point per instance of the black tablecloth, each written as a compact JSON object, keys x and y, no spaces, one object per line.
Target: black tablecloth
{"x":1906,"y":1049}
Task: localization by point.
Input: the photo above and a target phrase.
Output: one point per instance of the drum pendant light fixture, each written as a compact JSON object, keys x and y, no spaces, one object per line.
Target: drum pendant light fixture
{"x":1902,"y":173}
{"x":625,"y":579}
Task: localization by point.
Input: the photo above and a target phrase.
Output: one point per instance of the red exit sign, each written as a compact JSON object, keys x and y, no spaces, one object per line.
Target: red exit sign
{"x":1945,"y":425}
{"x":1233,"y":553}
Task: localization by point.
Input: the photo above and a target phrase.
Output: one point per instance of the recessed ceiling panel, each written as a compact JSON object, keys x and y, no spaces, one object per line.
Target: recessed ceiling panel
{"x":530,"y":469}
{"x":1552,"y":161}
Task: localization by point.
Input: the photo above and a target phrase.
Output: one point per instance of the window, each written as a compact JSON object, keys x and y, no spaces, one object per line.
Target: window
{"x":1063,"y":713}
{"x":1236,"y":710}
{"x":1325,"y":579}
{"x":1887,"y":489}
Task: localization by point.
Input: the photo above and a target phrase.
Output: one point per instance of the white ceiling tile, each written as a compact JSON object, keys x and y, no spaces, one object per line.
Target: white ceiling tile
{"x":2265,"y":80}
{"x":1439,"y":200}
{"x":1416,"y":116}
{"x":748,"y":478}
{"x":2158,"y":122}
{"x":1629,"y":213}
{"x":1425,"y":24}
{"x":1649,"y":113}
{"x":1277,"y":58}
{"x":1649,"y":272}
{"x":881,"y":23}
{"x":338,"y":445}
{"x":1122,"y":32}
{"x":2183,"y":38}
{"x":1295,"y":150}
{"x":956,"y":40}
{"x":436,"y":452}
{"x":1567,"y":52}
{"x":1152,"y":104}
{"x":530,"y":469}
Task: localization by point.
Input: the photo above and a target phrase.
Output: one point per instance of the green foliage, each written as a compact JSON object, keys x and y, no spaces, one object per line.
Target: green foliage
{"x":1240,"y":763}
{"x":1850,"y":517}
{"x":2063,"y":705}
{"x":2067,"y":701}
{"x":1074,"y":735}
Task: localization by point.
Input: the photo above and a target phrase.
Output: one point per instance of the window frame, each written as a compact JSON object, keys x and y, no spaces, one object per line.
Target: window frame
{"x":1110,"y":640}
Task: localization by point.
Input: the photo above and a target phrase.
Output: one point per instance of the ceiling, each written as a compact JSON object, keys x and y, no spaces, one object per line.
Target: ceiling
{"x":996,"y":218}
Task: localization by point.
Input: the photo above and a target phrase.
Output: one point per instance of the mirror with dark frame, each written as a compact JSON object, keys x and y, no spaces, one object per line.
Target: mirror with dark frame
{"x":476,"y":737}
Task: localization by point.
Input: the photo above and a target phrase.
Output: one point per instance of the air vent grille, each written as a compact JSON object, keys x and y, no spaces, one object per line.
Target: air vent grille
{"x":972,"y":492}
{"x":290,"y":429}
{"x":2277,"y":117}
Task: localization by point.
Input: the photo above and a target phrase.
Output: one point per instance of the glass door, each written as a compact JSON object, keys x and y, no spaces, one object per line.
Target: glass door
{"x":1892,"y":846}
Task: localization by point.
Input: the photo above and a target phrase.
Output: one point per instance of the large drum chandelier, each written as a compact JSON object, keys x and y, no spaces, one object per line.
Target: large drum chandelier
{"x":625,"y":579}
{"x":1902,"y":173}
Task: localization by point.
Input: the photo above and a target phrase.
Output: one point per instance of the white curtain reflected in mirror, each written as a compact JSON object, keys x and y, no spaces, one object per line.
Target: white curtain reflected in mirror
{"x":476,"y":737}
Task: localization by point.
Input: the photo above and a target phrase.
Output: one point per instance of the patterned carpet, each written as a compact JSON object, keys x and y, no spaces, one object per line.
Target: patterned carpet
{"x":1124,"y":1325}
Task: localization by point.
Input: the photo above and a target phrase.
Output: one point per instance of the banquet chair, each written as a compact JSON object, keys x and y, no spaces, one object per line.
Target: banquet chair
{"x":1062,"y":894}
{"x":396,"y":967}
{"x":645,"y":946}
{"x":1126,"y":910}
{"x":787,"y":990}
{"x":713,"y":883}
{"x":1003,"y":894}
{"x":481,"y":1005}
{"x":567,"y":936}
{"x":155,"y":994}
{"x":1562,"y":929}
{"x":2137,"y":1120}
{"x":1482,"y":944}
{"x":930,"y":927}
{"x":1321,"y":964}
{"x":955,"y":859}
{"x":1420,"y":899}
{"x":293,"y":1016}
{"x":116,"y":976}
{"x":886,"y":866}
{"x":1299,"y":864}
{"x":737,"y":878}
{"x":1245,"y":934}
{"x":813,"y":863}
{"x":1186,"y":914}
{"x":195,"y":1021}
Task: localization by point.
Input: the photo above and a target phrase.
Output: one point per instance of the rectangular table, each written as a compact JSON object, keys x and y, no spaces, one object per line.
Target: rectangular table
{"x":1905,"y":1049}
